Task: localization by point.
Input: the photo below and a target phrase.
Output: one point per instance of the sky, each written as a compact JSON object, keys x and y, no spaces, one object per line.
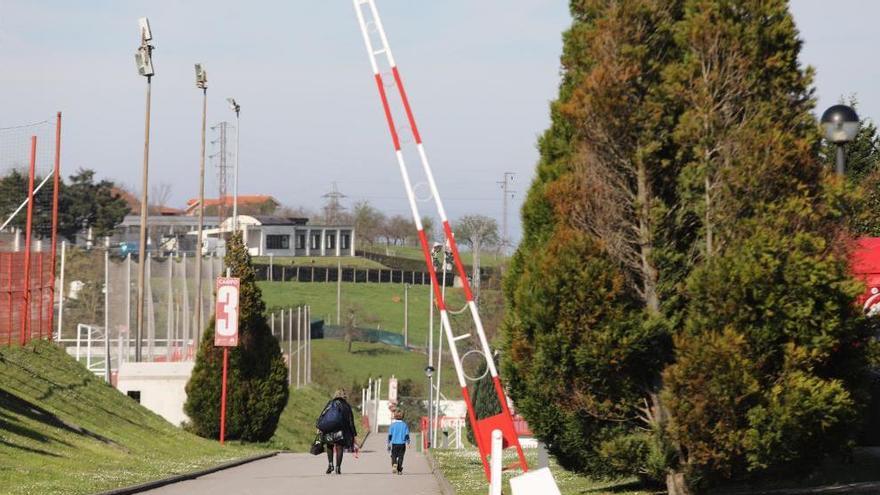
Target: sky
{"x":479,"y":74}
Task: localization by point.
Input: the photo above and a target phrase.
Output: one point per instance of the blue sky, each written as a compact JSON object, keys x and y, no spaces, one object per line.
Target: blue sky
{"x":479,"y":73}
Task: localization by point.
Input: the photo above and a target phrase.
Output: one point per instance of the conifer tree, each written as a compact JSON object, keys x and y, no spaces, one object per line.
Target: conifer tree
{"x":257,"y":377}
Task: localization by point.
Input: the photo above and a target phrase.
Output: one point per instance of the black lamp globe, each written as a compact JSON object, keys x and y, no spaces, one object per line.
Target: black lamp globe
{"x":429,"y":371}
{"x":840,"y":123}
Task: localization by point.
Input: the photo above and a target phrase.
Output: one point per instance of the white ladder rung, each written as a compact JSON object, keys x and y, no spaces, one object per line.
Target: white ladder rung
{"x":362,"y":2}
{"x":460,"y":337}
{"x":379,"y":52}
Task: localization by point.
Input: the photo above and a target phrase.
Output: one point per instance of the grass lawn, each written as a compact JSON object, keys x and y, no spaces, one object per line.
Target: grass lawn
{"x":464,"y":471}
{"x":381,"y":302}
{"x":296,"y":428}
{"x":487,"y":259}
{"x":62,"y":430}
{"x":331,"y":261}
{"x":334,"y":366}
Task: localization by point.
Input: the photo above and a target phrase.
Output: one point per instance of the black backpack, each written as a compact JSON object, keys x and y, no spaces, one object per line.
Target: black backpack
{"x":332,"y":418}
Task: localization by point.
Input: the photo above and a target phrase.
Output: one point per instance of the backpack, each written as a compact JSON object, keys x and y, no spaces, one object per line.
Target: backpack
{"x":331,"y":419}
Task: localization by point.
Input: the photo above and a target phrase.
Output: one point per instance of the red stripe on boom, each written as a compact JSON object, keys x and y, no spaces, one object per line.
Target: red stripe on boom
{"x":388,"y":116}
{"x":472,"y":416}
{"x":468,"y":295}
{"x":409,"y":114}
{"x":438,"y":295}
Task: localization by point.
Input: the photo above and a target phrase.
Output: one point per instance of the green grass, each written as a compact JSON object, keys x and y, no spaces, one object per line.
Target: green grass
{"x":487,"y":259}
{"x":383,"y":303}
{"x":335,"y":367}
{"x":322,"y":261}
{"x":464,"y":471}
{"x":62,"y":430}
{"x":296,"y":428}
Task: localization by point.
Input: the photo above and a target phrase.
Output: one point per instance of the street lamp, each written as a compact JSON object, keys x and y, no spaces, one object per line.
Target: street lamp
{"x":841,"y":125}
{"x":429,"y":372}
{"x":237,"y":109}
{"x":201,"y":83}
{"x":144,"y":60}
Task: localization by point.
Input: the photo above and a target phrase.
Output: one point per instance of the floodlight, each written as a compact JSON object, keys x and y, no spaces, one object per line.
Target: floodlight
{"x":233,"y":105}
{"x":146,"y":33}
{"x":429,"y":371}
{"x":201,"y":77}
{"x":144,"y":61}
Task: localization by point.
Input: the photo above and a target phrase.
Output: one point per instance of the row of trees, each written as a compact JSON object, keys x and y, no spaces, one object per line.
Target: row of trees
{"x":680,"y":308}
{"x":83,"y":202}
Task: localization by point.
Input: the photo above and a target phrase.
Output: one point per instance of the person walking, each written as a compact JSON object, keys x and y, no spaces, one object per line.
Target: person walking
{"x":398,"y":439}
{"x":336,"y":428}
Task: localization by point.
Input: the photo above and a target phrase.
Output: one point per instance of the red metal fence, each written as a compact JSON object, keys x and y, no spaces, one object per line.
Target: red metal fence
{"x":16,"y":301}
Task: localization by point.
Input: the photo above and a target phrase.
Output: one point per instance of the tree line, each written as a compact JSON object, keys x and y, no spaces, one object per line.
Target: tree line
{"x":681,"y":307}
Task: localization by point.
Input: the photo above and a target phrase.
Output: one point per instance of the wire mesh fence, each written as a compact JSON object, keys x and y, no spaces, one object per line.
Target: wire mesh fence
{"x":169,"y":331}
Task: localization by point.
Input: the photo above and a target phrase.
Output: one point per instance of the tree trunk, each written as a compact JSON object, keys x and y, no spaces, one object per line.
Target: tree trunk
{"x":676,"y":485}
{"x":646,"y":243}
{"x":708,"y":218}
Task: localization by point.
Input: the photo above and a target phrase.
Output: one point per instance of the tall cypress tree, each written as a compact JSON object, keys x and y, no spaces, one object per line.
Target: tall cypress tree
{"x":257,"y":376}
{"x":680,"y":306}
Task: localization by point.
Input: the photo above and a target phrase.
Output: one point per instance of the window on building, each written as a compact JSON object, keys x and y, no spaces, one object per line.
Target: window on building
{"x":316,"y":241}
{"x":277,"y":242}
{"x":346,"y":241}
{"x":300,"y":241}
{"x":331,"y":241}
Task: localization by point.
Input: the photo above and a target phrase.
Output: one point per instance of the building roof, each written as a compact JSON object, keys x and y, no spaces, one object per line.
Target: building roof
{"x":270,"y":220}
{"x":243,"y":199}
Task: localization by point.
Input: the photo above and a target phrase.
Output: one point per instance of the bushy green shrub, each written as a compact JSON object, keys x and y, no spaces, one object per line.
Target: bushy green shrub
{"x":257,"y":376}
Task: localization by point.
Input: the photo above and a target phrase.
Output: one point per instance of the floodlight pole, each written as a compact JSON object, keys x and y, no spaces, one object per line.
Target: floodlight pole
{"x":200,"y":326}
{"x":142,"y":245}
{"x":235,"y":173}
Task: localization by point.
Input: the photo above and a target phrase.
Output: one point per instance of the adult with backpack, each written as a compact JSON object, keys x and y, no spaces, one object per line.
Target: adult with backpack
{"x":336,"y":429}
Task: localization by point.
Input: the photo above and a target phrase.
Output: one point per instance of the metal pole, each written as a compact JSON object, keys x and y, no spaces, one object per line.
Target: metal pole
{"x":107,"y":309}
{"x":338,"y":290}
{"x":235,"y":173}
{"x":142,"y":246}
{"x":309,"y":345}
{"x":841,"y":159}
{"x":128,"y":299}
{"x":406,"y":316}
{"x":61,"y":292}
{"x":56,"y":184}
{"x":299,"y":321}
{"x":198,"y":317}
{"x":290,"y":347}
{"x":431,"y":363}
{"x":26,"y":293}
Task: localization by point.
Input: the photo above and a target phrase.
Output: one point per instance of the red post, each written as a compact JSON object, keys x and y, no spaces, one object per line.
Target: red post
{"x":41,"y":289}
{"x":223,"y":397}
{"x":56,"y":183}
{"x":25,"y":304}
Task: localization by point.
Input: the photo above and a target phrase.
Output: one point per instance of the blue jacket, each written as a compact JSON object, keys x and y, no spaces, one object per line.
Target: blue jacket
{"x":398,"y":433}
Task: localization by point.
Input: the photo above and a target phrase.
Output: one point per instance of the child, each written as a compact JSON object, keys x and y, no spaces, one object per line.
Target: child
{"x":398,"y":439}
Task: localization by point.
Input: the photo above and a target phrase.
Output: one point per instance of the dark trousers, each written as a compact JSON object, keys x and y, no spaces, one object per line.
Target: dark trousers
{"x":397,"y":452}
{"x":330,"y":447}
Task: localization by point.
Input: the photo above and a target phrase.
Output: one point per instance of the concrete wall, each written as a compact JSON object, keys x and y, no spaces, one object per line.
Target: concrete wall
{"x":162,"y":387}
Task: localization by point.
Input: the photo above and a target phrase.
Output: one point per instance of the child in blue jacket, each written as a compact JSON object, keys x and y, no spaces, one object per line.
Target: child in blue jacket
{"x":398,"y":439}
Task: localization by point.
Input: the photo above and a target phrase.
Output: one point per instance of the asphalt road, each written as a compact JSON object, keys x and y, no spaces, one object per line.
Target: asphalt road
{"x":304,"y":474}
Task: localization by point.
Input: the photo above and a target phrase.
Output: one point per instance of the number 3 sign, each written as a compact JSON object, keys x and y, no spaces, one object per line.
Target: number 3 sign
{"x":226,"y":327}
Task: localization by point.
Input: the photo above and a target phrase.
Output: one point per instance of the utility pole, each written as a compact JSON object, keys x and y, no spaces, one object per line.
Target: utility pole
{"x":406,"y":315}
{"x":333,"y":208}
{"x":507,"y":193}
{"x":201,"y":83}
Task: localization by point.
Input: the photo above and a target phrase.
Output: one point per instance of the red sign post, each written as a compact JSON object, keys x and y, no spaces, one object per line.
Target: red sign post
{"x":226,"y":333}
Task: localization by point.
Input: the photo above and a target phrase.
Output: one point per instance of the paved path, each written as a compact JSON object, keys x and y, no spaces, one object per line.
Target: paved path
{"x":287,"y":474}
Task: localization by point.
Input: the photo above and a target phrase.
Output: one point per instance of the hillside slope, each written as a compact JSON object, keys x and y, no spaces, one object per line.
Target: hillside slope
{"x":62,"y":430}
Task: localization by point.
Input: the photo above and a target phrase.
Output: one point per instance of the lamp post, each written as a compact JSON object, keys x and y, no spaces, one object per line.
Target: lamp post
{"x":201,"y":83}
{"x":144,"y":60}
{"x":237,"y":109}
{"x":429,"y":372}
{"x":841,"y":125}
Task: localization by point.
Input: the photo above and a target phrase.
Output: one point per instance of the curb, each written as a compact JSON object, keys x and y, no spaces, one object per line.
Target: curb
{"x":150,"y":485}
{"x":445,"y":486}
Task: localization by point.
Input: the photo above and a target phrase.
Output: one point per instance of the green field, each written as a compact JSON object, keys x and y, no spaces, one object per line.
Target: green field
{"x":334,"y":366}
{"x":322,"y":261}
{"x":379,"y":303}
{"x":69,"y":432}
{"x":487,"y":259}
{"x":464,"y":471}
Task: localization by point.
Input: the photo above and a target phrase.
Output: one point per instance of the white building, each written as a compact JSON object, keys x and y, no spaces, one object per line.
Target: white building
{"x":285,"y":236}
